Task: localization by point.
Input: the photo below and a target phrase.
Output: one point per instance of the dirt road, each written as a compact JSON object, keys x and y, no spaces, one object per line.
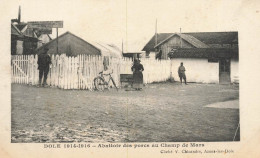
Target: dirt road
{"x":163,"y":112}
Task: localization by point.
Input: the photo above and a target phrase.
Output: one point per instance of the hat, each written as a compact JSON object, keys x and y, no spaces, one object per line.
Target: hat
{"x":46,"y":48}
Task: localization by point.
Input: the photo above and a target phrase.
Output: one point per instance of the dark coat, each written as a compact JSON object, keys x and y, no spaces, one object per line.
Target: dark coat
{"x":44,"y":61}
{"x":181,"y":71}
{"x":137,"y":73}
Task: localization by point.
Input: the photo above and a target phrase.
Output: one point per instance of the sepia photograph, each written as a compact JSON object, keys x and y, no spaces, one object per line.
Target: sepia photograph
{"x":120,"y":72}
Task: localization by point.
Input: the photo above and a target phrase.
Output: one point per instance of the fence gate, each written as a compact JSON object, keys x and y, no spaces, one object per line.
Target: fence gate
{"x":24,"y":69}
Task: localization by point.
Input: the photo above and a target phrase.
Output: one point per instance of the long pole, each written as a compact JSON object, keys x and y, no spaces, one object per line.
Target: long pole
{"x":57,"y":40}
{"x":156,"y":32}
{"x":180,"y":38}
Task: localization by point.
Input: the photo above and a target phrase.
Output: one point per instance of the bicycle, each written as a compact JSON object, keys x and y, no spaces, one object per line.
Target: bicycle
{"x":100,"y":82}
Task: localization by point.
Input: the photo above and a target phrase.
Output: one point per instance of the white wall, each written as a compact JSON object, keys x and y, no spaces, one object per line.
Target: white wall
{"x":234,"y":75}
{"x":19,"y":47}
{"x":197,"y":70}
{"x":152,"y":55}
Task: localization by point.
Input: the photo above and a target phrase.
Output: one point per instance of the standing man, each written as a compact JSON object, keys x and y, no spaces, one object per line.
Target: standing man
{"x":44,"y":61}
{"x":181,"y":72}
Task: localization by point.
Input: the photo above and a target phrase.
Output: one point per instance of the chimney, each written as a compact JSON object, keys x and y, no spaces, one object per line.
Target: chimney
{"x":19,"y":15}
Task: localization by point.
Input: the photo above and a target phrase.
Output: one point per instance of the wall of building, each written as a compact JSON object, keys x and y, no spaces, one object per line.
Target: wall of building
{"x":234,"y":74}
{"x":44,"y":38}
{"x":197,"y":70}
{"x":174,"y":42}
{"x":152,"y":55}
{"x":19,"y":47}
{"x":200,"y":70}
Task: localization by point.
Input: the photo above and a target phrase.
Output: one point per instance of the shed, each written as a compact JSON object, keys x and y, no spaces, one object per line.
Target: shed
{"x":72,"y":45}
{"x":22,"y":42}
{"x":168,"y":41}
{"x":209,"y":57}
{"x":133,"y":54}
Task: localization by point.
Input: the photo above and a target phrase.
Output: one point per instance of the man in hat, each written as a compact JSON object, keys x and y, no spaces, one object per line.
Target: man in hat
{"x":181,"y":72}
{"x":44,"y":61}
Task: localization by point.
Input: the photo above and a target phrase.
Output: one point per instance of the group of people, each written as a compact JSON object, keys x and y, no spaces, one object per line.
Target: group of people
{"x":44,"y":62}
{"x":138,"y":68}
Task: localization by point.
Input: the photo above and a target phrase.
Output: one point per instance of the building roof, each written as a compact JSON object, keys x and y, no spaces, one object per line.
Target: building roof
{"x":216,"y":37}
{"x":15,"y":30}
{"x":194,"y":37}
{"x":160,"y":37}
{"x":20,"y":26}
{"x":133,"y":52}
{"x":60,"y":36}
{"x":104,"y":49}
{"x":18,"y":35}
{"x":204,"y":53}
{"x":192,"y":40}
{"x":107,"y":49}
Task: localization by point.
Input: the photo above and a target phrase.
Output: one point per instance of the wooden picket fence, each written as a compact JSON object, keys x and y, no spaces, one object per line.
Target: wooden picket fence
{"x":79,"y":72}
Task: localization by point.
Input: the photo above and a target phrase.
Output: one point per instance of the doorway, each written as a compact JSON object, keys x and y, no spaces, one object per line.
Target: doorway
{"x":224,"y":71}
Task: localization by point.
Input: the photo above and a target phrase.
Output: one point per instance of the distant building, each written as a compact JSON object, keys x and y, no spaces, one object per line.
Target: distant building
{"x":168,"y":41}
{"x":72,"y":45}
{"x":209,"y":57}
{"x":25,"y":40}
{"x":134,"y":55}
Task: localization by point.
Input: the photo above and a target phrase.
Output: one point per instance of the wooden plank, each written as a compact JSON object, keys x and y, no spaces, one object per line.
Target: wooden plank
{"x":63,"y":71}
{"x":45,"y":24}
{"x":69,"y":73}
{"x":85,"y":65}
{"x":15,"y":71}
{"x":12,"y":69}
{"x":27,"y":68}
{"x":31,"y":69}
{"x":79,"y":72}
{"x":18,"y":65}
{"x":73,"y":72}
{"x":57,"y":71}
{"x":19,"y":68}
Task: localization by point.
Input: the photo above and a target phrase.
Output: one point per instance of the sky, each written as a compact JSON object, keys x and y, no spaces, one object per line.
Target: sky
{"x":130,"y":21}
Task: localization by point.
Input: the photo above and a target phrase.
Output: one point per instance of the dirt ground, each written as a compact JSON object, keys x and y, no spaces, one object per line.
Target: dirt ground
{"x":162,"y":112}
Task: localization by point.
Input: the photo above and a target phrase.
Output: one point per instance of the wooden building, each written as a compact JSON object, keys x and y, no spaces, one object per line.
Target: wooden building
{"x":72,"y":45}
{"x":24,"y":40}
{"x":209,"y":57}
{"x":168,"y":41}
{"x":133,"y":55}
{"x":207,"y":65}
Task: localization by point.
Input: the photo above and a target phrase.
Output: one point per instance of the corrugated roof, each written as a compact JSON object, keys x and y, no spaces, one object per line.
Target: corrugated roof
{"x":204,"y":37}
{"x":160,"y":37}
{"x":108,"y":49}
{"x":105,"y":49}
{"x":204,"y":53}
{"x":216,"y":37}
{"x":192,"y":40}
